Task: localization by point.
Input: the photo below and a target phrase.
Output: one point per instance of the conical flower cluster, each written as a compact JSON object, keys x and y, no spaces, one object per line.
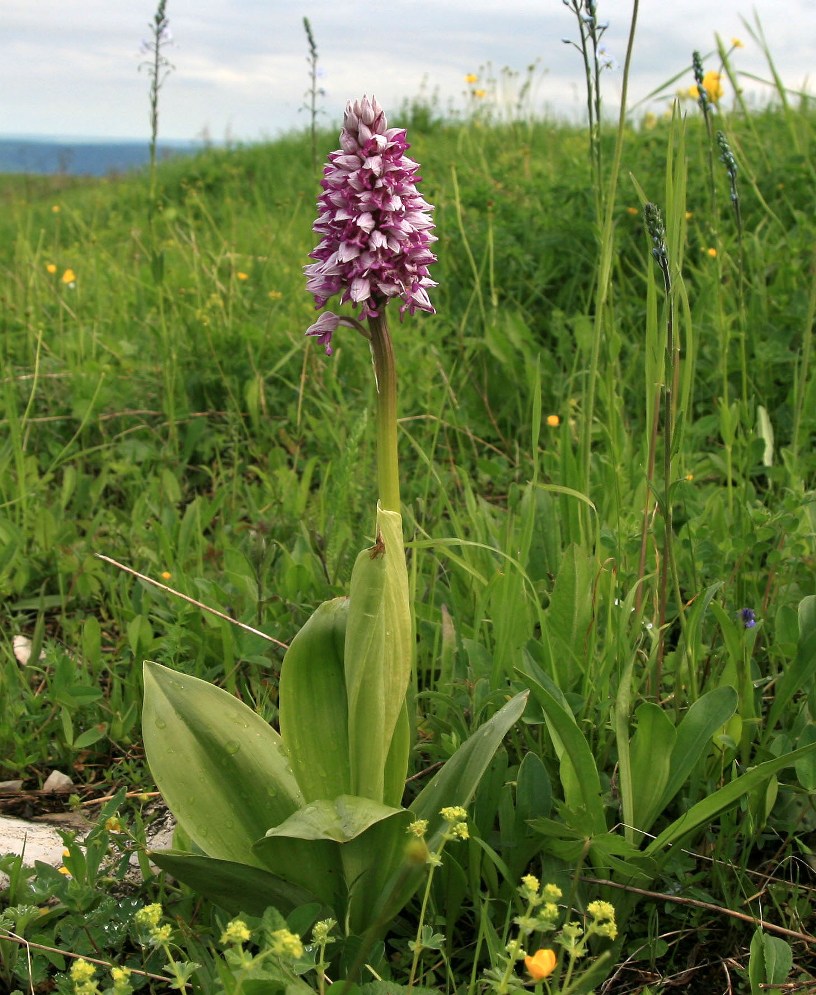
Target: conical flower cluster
{"x":376,"y":228}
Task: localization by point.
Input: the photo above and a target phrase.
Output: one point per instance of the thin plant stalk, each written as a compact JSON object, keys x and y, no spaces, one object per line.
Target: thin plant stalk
{"x":605,"y":260}
{"x":385,"y":374}
{"x":313,"y":91}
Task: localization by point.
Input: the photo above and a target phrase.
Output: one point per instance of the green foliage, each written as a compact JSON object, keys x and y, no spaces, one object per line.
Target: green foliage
{"x":185,"y":429}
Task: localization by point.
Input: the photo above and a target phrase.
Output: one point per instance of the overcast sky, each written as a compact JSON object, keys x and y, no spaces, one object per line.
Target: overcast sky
{"x":240,"y":65}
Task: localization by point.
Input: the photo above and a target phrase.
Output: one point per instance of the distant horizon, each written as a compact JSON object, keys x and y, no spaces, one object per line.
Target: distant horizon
{"x":46,"y":139}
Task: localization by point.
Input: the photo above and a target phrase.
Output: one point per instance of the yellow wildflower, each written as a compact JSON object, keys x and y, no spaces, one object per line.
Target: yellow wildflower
{"x":530,"y":884}
{"x":736,"y":43}
{"x":553,"y":421}
{"x":286,"y":944}
{"x":541,"y":964}
{"x":480,"y":94}
{"x":418,"y":827}
{"x":712,"y":84}
{"x":50,"y":268}
{"x":81,"y":971}
{"x":632,"y":210}
{"x":712,"y":252}
{"x":453,"y":813}
{"x":471,"y":78}
{"x":56,"y":208}
{"x":236,"y":932}
{"x":242,"y":276}
{"x":69,"y":277}
{"x":113,"y":825}
{"x":275,"y":295}
{"x":165,"y":575}
{"x":601,"y":910}
{"x":689,"y":477}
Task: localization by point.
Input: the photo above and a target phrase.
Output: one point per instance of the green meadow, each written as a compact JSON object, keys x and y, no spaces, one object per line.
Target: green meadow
{"x":608,"y":496}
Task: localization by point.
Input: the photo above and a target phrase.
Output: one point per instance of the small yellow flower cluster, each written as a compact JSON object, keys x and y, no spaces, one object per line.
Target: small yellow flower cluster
{"x":82,"y":977}
{"x":284,"y":943}
{"x":235,"y":933}
{"x":455,"y":816}
{"x":121,"y":980}
{"x":418,"y":828}
{"x":321,"y":930}
{"x":603,"y":919}
{"x":148,"y":918}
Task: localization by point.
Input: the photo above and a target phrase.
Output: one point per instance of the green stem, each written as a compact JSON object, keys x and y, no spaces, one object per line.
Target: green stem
{"x":385,"y":374}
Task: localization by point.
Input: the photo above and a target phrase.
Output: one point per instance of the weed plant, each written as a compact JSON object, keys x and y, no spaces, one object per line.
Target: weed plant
{"x":609,"y":498}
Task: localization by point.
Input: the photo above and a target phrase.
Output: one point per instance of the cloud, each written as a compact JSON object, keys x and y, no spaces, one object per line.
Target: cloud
{"x":240,"y":65}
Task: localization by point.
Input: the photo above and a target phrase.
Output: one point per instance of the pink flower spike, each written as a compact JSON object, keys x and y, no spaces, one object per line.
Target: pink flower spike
{"x":375,"y":228}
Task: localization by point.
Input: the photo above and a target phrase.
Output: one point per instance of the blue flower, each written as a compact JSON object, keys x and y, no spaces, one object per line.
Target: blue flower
{"x":748,"y":618}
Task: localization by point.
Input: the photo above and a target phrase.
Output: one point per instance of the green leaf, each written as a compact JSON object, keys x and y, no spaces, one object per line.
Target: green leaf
{"x":806,"y":768}
{"x":569,"y":614}
{"x":800,"y":673}
{"x":235,"y":887}
{"x":457,"y":781}
{"x":312,"y":703}
{"x":650,"y":753}
{"x":378,"y":660}
{"x":340,"y":820}
{"x":579,"y":775}
{"x":219,"y":766}
{"x":533,"y":792}
{"x":455,"y":784}
{"x":694,"y":734}
{"x":778,"y":959}
{"x":709,"y":808}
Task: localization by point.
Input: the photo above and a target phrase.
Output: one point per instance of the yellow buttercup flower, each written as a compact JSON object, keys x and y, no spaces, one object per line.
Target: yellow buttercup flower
{"x":480,"y":94}
{"x":541,"y":964}
{"x":471,"y":78}
{"x":712,"y":252}
{"x":50,"y":268}
{"x":242,"y":276}
{"x":69,"y":277}
{"x":712,"y":84}
{"x":553,"y":421}
{"x":165,"y":575}
{"x":737,"y":43}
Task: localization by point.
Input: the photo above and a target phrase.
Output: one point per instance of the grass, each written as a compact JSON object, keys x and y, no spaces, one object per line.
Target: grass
{"x":184,"y":427}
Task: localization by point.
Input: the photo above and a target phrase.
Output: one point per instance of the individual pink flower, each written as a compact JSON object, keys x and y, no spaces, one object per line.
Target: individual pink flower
{"x":376,"y":228}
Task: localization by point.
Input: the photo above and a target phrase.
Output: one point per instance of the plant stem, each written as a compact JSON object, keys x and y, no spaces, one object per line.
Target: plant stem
{"x":385,"y":374}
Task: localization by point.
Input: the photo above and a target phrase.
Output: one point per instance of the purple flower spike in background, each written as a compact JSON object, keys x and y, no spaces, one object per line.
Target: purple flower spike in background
{"x":376,"y":228}
{"x":748,"y":618}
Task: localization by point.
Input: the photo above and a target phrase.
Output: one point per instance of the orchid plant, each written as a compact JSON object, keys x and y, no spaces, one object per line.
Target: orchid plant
{"x":313,"y":813}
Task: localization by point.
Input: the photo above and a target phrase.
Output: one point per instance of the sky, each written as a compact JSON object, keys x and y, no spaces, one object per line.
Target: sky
{"x":240,"y":70}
